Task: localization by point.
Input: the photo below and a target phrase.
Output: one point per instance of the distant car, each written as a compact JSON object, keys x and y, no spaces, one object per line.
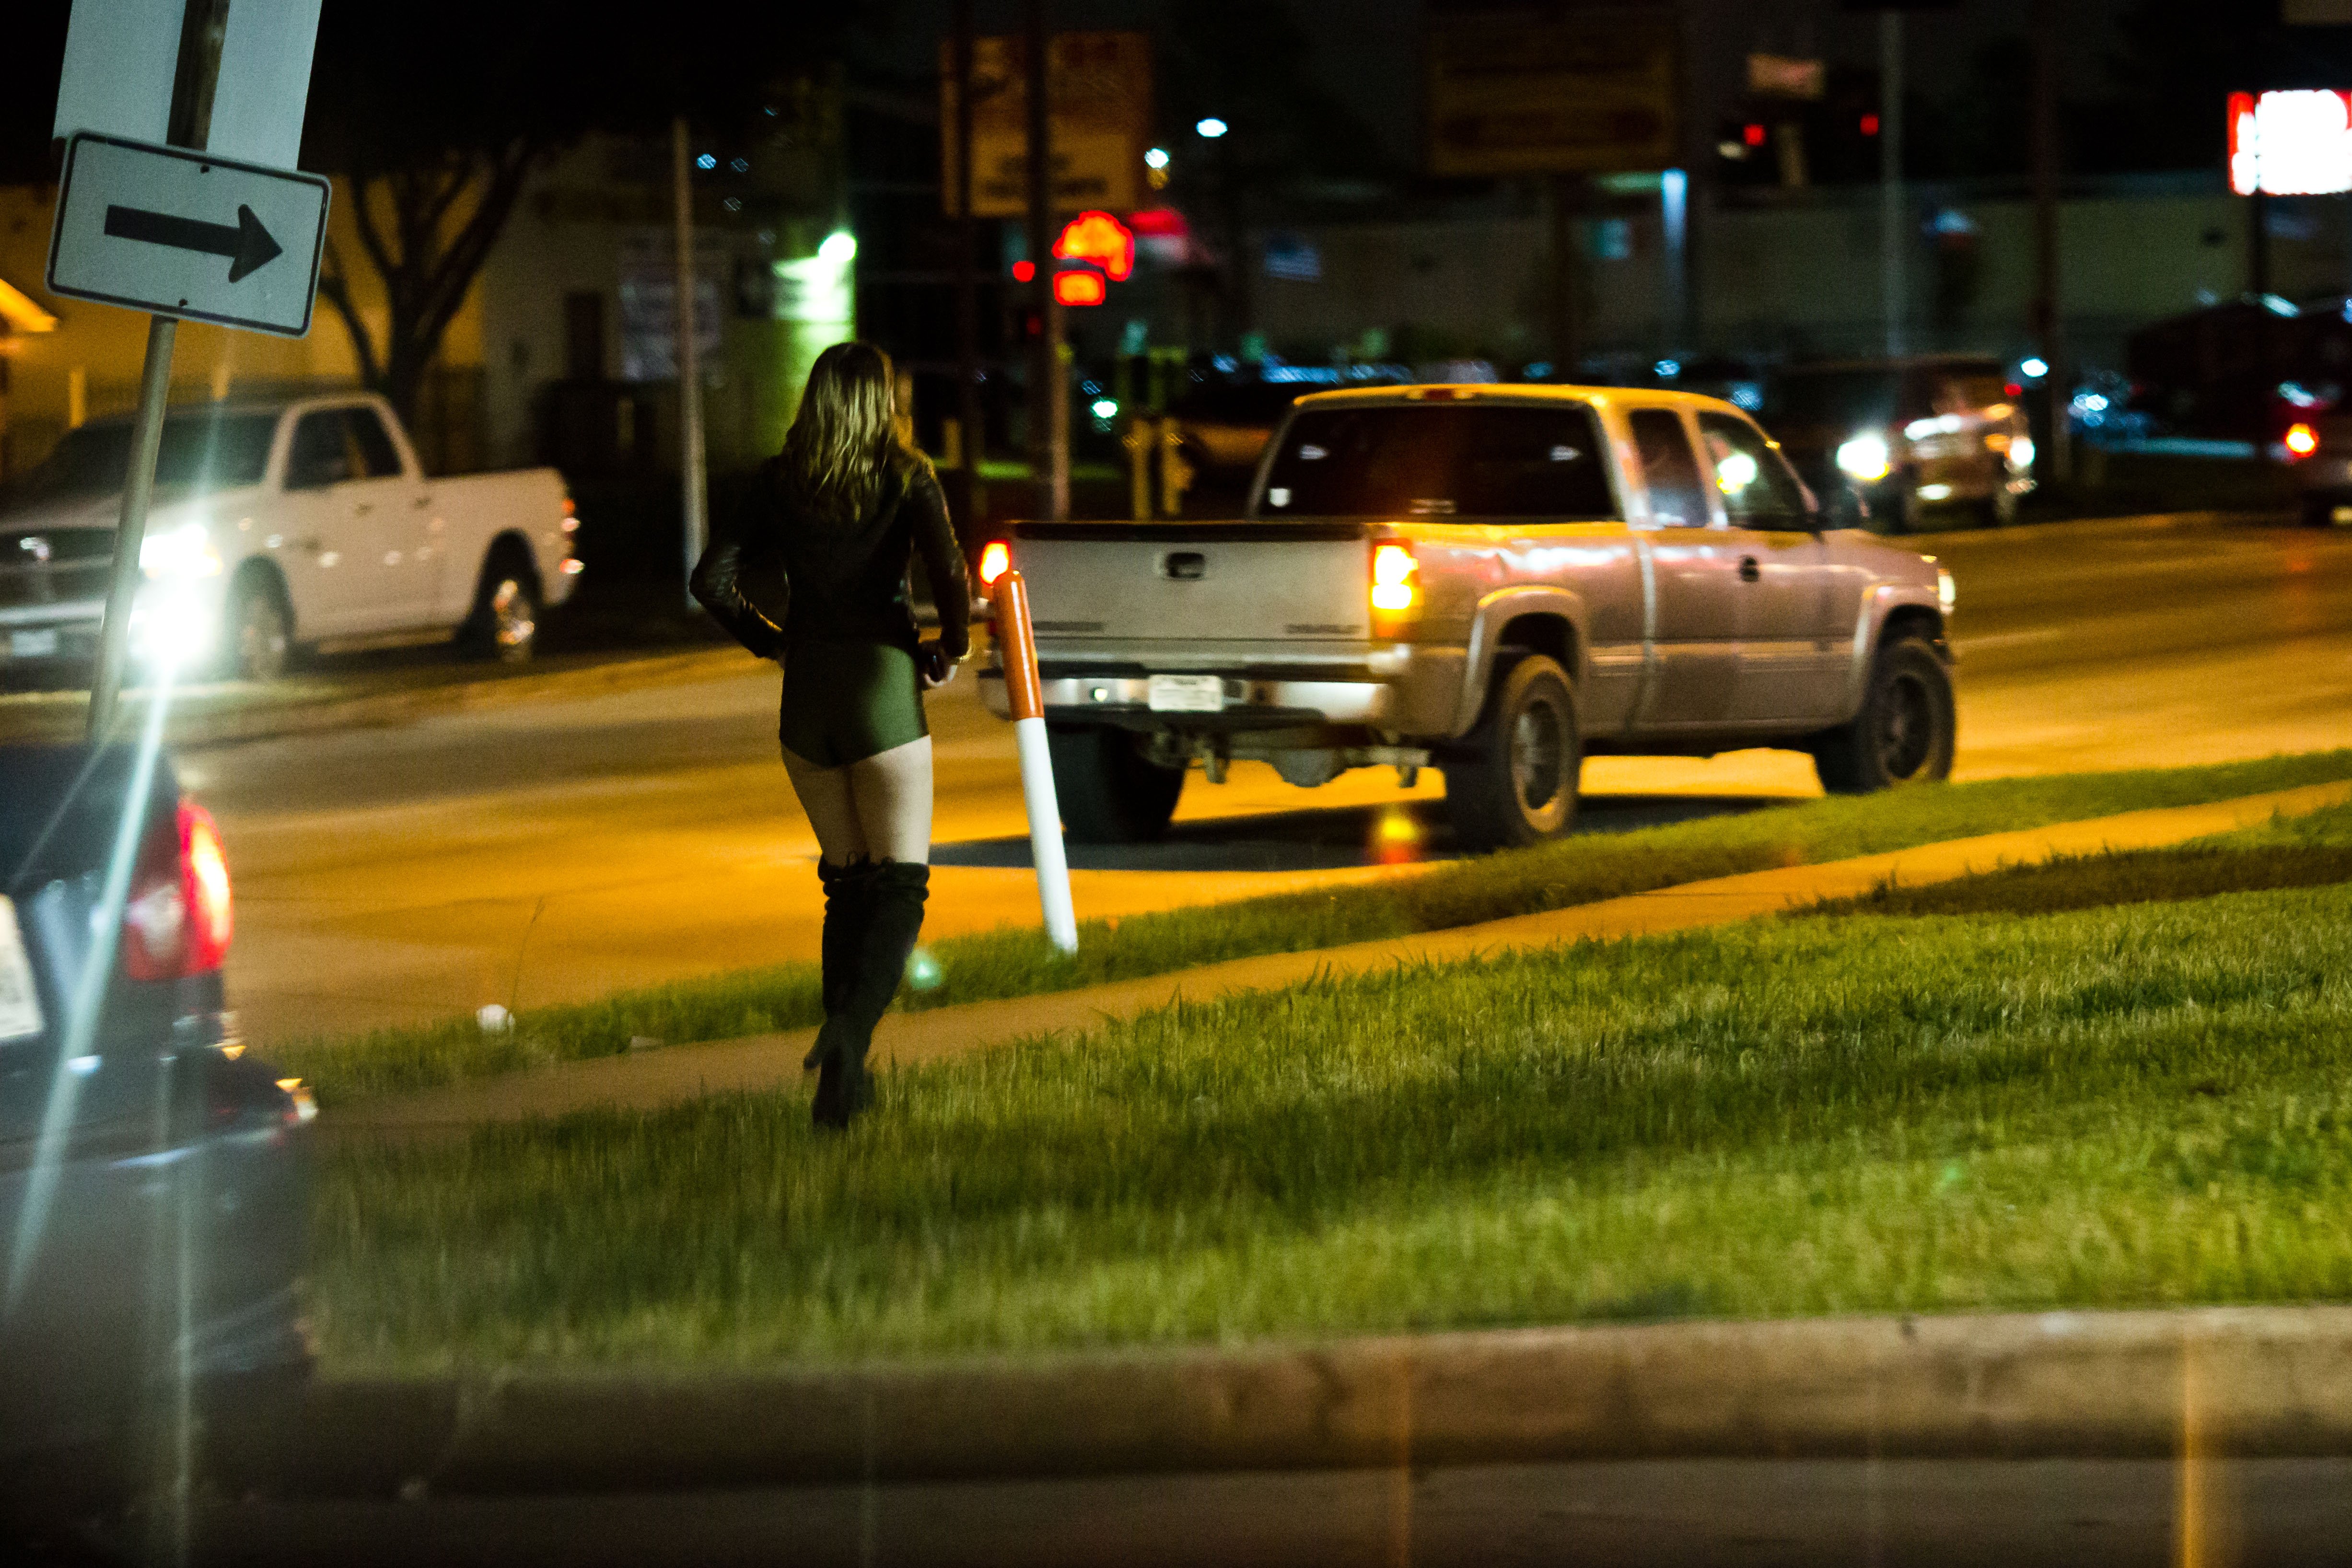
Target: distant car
{"x":2318,"y":453}
{"x":153,"y":1174}
{"x":1223,"y":425}
{"x":278,"y":525}
{"x":1897,"y":436}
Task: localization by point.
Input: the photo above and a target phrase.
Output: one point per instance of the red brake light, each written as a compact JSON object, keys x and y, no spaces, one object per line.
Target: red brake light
{"x":177,"y":921}
{"x":1752,"y":134}
{"x":995,"y":560}
{"x":2012,"y":388}
{"x":2302,"y":441}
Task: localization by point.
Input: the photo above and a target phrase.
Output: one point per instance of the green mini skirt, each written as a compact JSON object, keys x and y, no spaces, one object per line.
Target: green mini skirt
{"x":845,"y":701}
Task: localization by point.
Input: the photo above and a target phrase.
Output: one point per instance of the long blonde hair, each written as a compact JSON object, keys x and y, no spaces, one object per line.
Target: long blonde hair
{"x":847,"y":435}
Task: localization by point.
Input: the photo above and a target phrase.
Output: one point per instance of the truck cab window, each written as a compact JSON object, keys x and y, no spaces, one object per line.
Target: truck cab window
{"x":1669,"y":471}
{"x":322,"y":454}
{"x":379,"y":457}
{"x":1760,"y":489}
{"x":1391,"y":461}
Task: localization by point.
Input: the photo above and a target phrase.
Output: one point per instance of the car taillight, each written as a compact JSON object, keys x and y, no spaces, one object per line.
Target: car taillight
{"x":1393,"y":569}
{"x":2302,"y":441}
{"x":995,"y":560}
{"x":177,"y":921}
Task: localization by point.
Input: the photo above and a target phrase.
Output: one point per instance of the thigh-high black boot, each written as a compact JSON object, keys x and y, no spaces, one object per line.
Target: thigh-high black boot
{"x":886,"y":940}
{"x":845,"y":890}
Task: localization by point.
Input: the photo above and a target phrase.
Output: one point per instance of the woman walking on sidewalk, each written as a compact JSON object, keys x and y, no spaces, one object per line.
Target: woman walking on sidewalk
{"x":810,"y":568}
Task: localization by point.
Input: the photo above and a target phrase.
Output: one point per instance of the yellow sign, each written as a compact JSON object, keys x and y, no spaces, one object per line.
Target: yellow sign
{"x":1523,"y":95}
{"x":1099,"y":95}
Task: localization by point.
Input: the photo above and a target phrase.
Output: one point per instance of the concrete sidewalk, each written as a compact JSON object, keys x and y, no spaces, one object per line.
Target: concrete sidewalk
{"x":652,"y":1079}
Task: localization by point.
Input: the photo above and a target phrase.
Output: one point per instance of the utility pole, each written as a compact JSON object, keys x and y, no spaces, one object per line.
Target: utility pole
{"x":2049,"y":321}
{"x":202,"y":26}
{"x":1564,"y":193}
{"x":1892,"y":287}
{"x":692,"y":488}
{"x":969,"y":499}
{"x":1049,"y":401}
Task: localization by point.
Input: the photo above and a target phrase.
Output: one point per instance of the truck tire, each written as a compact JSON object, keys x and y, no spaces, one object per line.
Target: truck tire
{"x":1109,"y":792}
{"x":504,"y":622}
{"x":256,"y":635}
{"x":1906,"y":729}
{"x":1512,"y":781}
{"x":1998,"y":509}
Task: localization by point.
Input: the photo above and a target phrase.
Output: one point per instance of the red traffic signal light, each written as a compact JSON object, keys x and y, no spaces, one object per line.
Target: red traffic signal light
{"x":1100,"y":240}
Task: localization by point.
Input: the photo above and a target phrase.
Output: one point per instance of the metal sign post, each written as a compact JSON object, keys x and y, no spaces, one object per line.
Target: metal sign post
{"x":694,"y":493}
{"x":190,"y":228}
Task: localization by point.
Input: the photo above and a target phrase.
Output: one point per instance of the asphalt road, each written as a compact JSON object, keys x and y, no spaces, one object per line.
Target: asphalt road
{"x":2062,"y":1513}
{"x":557,"y":849}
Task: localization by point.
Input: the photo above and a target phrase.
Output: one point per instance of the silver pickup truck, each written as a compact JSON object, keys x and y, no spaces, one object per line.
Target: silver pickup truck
{"x":1492,"y":582}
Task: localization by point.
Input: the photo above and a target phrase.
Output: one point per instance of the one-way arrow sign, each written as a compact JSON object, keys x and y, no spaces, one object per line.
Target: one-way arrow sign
{"x":139,"y":225}
{"x":247,"y":244}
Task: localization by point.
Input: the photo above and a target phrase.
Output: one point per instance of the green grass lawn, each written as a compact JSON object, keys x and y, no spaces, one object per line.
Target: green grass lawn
{"x":2311,"y":850}
{"x":2142,"y":1105}
{"x":1019,"y":962}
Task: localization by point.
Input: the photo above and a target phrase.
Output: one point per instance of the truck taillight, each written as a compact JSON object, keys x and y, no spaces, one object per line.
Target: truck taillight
{"x":1393,"y":569}
{"x":2302,"y":441}
{"x":995,"y":560}
{"x":177,"y":921}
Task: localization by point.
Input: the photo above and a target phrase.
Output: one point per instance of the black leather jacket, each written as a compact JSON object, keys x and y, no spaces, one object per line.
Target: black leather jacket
{"x":774,"y":577}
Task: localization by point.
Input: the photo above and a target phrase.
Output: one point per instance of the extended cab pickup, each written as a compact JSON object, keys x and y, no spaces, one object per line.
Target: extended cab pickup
{"x":1493,"y":582}
{"x":278,"y":525}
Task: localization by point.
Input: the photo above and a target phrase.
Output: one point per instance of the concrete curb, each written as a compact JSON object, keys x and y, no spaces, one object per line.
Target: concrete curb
{"x":2271,"y":1381}
{"x":270,"y":720}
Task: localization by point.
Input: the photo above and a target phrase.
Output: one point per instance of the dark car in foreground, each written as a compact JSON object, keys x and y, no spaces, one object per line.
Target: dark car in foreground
{"x":1893,"y":437}
{"x":153,"y":1174}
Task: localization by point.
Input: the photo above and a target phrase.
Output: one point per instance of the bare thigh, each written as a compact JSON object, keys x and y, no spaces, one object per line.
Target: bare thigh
{"x":880,"y":806}
{"x":892,"y":791}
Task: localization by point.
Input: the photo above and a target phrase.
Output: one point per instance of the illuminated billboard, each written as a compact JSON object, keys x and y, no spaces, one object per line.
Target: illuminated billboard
{"x":2291,"y":143}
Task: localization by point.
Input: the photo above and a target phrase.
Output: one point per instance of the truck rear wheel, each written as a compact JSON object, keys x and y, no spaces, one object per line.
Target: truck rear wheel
{"x":1512,"y":781}
{"x":504,"y":624}
{"x":1906,"y":731}
{"x":1110,"y":794}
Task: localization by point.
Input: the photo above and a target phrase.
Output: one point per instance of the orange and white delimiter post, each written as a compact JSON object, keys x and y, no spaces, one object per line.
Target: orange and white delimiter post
{"x":1016,"y":645}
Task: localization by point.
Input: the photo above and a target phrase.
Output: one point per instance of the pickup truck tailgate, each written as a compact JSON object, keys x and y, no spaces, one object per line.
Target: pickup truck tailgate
{"x":1094,"y":587}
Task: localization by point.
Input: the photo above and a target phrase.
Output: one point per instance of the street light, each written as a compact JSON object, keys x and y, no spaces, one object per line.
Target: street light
{"x":1211,"y":128}
{"x":1156,"y":157}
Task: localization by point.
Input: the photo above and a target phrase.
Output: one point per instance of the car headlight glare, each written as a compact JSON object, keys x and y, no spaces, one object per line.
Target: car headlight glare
{"x":2021,"y":454}
{"x":1947,"y":594}
{"x":183,"y":551}
{"x":1865,"y":458}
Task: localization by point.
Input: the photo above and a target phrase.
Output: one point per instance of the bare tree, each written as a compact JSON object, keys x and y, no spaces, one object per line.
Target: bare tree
{"x":437,"y":111}
{"x":425,"y":231}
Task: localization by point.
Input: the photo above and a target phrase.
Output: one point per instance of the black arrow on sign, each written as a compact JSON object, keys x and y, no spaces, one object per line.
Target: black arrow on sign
{"x":247,"y":246}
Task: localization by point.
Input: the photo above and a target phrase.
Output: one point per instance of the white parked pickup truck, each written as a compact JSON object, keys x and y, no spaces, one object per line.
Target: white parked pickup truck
{"x":1493,"y":582}
{"x":277,"y":525}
